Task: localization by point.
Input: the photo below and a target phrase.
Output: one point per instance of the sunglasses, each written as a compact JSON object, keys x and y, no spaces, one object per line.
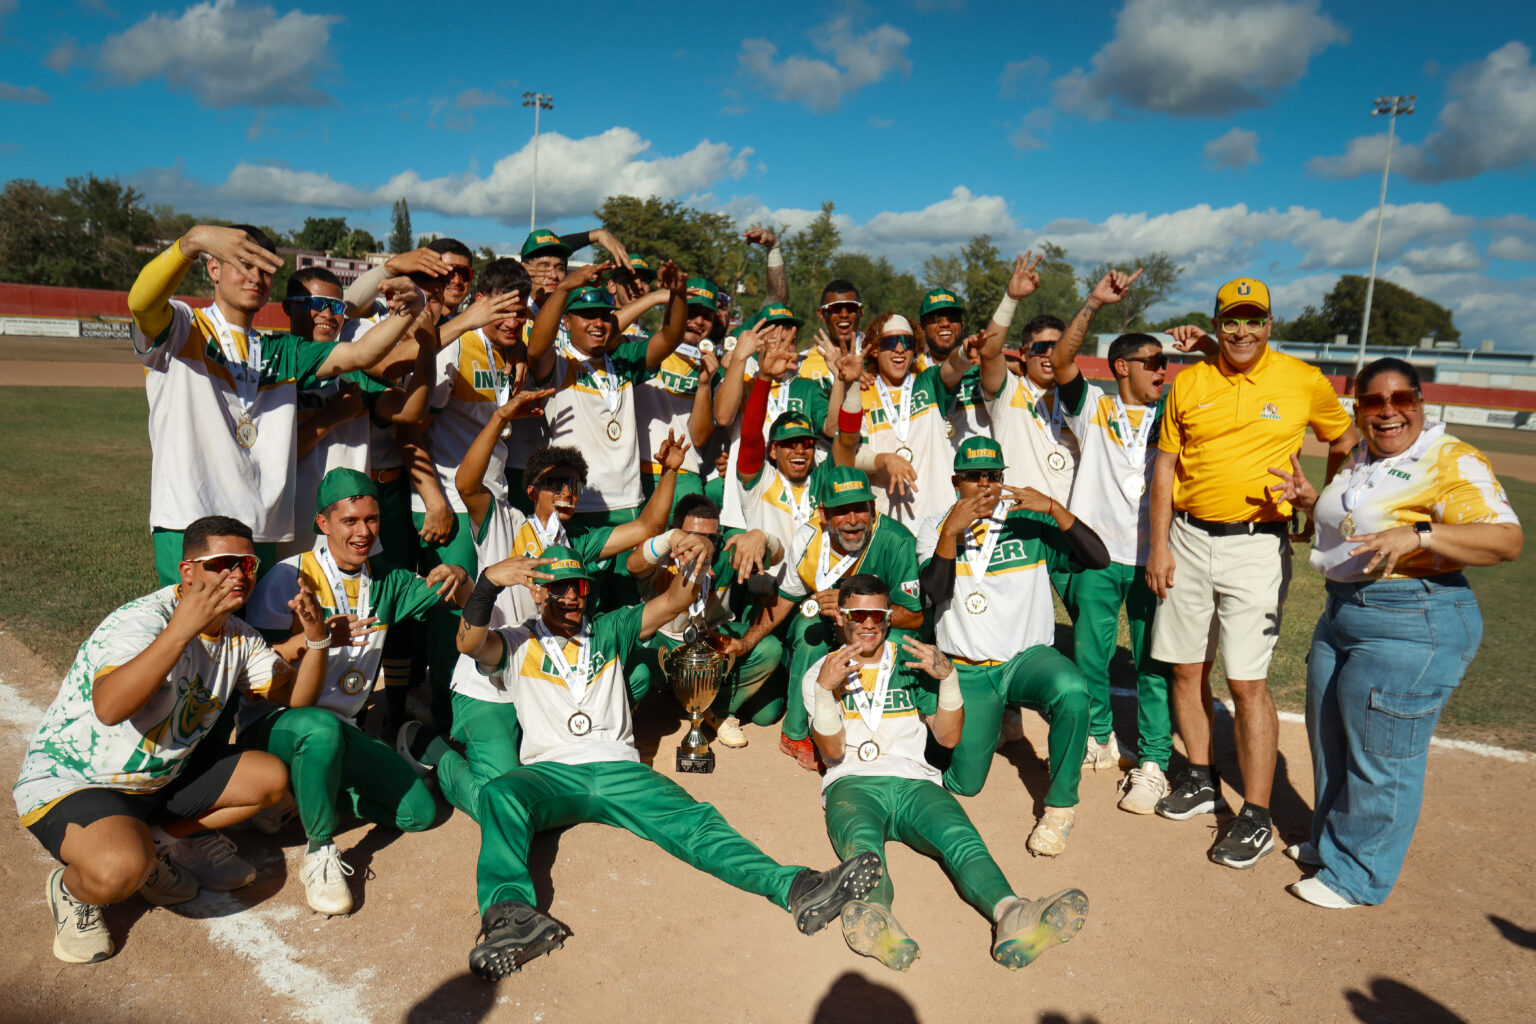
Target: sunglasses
{"x":558,"y":483}
{"x":981,"y":476}
{"x":462,"y":273}
{"x":892,"y":342}
{"x":320,"y":303}
{"x":1156,"y":361}
{"x":1041,"y":348}
{"x":797,"y":444}
{"x":865,"y":616}
{"x":1236,"y":326}
{"x":559,"y":588}
{"x":842,"y":307}
{"x":248,"y":564}
{"x":1402,"y":401}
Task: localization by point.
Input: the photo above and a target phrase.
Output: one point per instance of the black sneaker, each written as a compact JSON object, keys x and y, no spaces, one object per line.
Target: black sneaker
{"x":1247,"y":840}
{"x":513,"y":933}
{"x":1191,"y":795}
{"x":817,"y":897}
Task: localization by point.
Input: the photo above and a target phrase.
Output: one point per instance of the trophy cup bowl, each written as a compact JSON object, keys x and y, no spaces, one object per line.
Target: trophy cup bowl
{"x":696,"y":671}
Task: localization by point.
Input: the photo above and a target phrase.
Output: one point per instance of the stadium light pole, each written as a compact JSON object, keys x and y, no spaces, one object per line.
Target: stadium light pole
{"x":538,"y":101}
{"x":1391,"y":106}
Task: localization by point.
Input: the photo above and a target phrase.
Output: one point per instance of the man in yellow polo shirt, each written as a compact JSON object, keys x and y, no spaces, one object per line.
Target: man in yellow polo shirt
{"x":1220,"y":554}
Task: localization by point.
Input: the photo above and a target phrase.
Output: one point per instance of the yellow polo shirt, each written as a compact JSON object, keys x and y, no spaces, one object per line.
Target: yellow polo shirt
{"x":1228,"y":429}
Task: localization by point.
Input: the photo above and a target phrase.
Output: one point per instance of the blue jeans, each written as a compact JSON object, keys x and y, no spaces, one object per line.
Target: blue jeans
{"x":1385,"y":657}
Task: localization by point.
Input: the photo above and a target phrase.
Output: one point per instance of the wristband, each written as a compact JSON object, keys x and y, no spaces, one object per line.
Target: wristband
{"x":865,"y":459}
{"x":1005,"y":307}
{"x":775,"y":257}
{"x":826,"y":713}
{"x":949,"y":691}
{"x":477,"y":610}
{"x":657,"y":548}
{"x":318,"y":645}
{"x":850,"y":422}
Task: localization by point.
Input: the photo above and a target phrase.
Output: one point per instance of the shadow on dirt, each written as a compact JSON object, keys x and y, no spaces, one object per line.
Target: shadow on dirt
{"x":1391,"y":1002}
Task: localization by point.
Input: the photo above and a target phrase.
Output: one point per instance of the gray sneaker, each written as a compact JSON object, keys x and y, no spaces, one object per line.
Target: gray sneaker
{"x":1247,"y":839}
{"x":168,"y":885}
{"x":1191,"y":795}
{"x":80,"y":936}
{"x":212,"y":861}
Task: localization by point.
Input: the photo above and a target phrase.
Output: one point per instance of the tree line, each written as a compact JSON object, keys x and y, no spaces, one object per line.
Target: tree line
{"x":97,"y":233}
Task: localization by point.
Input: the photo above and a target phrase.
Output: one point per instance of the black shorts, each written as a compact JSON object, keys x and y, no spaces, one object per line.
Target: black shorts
{"x":190,"y":795}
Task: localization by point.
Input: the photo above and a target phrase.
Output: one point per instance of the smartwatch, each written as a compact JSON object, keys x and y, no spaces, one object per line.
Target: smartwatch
{"x":1422,"y":529}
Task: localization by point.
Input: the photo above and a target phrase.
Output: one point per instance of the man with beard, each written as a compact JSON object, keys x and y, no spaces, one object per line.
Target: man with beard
{"x":223,"y":397}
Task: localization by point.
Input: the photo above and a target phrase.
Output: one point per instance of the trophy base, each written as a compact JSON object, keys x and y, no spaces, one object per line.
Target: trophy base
{"x":700,"y":762}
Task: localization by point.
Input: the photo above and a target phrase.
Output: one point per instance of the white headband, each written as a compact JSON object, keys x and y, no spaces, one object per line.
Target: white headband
{"x":897,"y":324}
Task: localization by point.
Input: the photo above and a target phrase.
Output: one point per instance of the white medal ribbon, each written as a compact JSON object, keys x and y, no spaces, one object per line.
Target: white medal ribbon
{"x":900,"y":421}
{"x":501,"y":376}
{"x":555,"y":534}
{"x":1135,"y":443}
{"x":827,"y":573}
{"x":607,"y":383}
{"x":337,"y":582}
{"x":1360,"y":481}
{"x":1049,"y":416}
{"x":871,"y":705}
{"x":697,"y":609}
{"x":576,"y":678}
{"x":800,"y":507}
{"x":778,"y":401}
{"x":246,"y":372}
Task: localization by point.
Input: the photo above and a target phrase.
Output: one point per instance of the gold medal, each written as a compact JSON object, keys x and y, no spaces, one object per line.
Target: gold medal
{"x":976,"y":603}
{"x":949,"y":429}
{"x":1133,"y":486}
{"x":245,"y":433}
{"x":869,"y":750}
{"x":706,"y":347}
{"x":904,"y":452}
{"x":614,"y":430}
{"x":1056,"y":460}
{"x":353,"y":682}
{"x":1347,"y":526}
{"x":810,"y":608}
{"x":579,"y":724}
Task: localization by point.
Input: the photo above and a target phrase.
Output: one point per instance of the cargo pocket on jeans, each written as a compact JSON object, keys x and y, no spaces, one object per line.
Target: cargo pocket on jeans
{"x":1401,"y":724}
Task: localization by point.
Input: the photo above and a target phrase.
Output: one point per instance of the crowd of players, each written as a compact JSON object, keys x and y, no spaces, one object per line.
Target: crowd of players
{"x":500,"y":491}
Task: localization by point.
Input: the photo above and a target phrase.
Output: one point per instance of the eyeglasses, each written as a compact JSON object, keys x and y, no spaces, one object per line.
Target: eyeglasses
{"x":1041,"y":348}
{"x":462,"y":273}
{"x":560,"y":588}
{"x":833,"y":308}
{"x":558,"y":483}
{"x":1156,"y":361}
{"x":796,"y":444}
{"x":981,"y":476}
{"x":865,"y":616}
{"x":1402,"y":401}
{"x":248,"y":564}
{"x":319,"y":303}
{"x":892,"y":342}
{"x":1249,"y":326}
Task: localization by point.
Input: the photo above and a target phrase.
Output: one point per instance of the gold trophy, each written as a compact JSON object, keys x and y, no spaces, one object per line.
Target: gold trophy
{"x":696,"y":669}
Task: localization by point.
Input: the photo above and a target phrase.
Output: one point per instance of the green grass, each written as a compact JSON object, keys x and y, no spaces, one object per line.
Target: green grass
{"x":74,"y":527}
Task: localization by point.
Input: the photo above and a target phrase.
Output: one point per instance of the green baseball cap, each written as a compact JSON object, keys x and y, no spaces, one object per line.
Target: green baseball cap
{"x":702,"y":293}
{"x":778,"y":313}
{"x":940,"y":298}
{"x":588,"y":299}
{"x":566,"y":566}
{"x":979,"y":453}
{"x":789,"y":426}
{"x":542,"y":242}
{"x":845,"y":485}
{"x":642,"y":267}
{"x":340,"y":484}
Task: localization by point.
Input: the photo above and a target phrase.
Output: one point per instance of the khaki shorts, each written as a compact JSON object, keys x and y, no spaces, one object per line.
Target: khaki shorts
{"x":1225,"y":589}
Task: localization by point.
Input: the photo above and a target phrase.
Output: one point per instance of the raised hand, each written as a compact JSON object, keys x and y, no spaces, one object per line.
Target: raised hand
{"x":307,"y":610}
{"x":692,"y":554}
{"x":1188,"y":337}
{"x":671,"y":451}
{"x":615,"y":248}
{"x":1029,"y":498}
{"x":402,"y":296}
{"x":524,"y":404}
{"x":775,"y":359}
{"x":521,"y":570}
{"x":967,"y":511}
{"x":749,"y":553}
{"x":760,"y":236}
{"x":1113,"y":286}
{"x":585,"y":277}
{"x":1026,"y":276}
{"x":836,"y":669}
{"x":448,"y":580}
{"x":926,"y":657}
{"x":203,"y":601}
{"x":901,"y":477}
{"x":487,"y":309}
{"x":1293,"y":487}
{"x":230,"y":245}
{"x":671,"y":277}
{"x":418,"y":261}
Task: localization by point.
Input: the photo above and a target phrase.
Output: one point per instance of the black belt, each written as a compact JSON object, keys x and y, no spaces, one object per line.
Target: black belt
{"x":1278,"y":527}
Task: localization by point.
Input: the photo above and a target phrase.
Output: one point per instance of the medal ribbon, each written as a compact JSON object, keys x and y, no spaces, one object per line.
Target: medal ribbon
{"x":607,"y":384}
{"x":871,"y":705}
{"x":986,"y":544}
{"x":1052,"y":416}
{"x":1360,"y":482}
{"x":337,"y":582}
{"x":1135,"y":443}
{"x":800,"y":507}
{"x":554,"y":648}
{"x":902,"y":422}
{"x":246,"y":372}
{"x":827,"y":573}
{"x":555,"y":534}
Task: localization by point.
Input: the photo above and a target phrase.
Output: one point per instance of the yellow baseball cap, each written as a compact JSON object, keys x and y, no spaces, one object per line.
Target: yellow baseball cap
{"x":1245,"y":291}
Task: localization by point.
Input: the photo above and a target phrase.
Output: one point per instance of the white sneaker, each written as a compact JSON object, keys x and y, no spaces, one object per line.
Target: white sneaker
{"x":728,"y":732}
{"x":211,"y":858}
{"x":1106,"y":755}
{"x":80,"y":936}
{"x":325,"y":883}
{"x":1319,"y":895}
{"x":1013,"y":728}
{"x":1144,"y":787}
{"x":270,"y":820}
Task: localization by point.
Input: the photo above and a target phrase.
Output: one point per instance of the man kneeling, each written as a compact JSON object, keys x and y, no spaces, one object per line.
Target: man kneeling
{"x":564,"y":673}
{"x":870,"y":715}
{"x":118,"y":766}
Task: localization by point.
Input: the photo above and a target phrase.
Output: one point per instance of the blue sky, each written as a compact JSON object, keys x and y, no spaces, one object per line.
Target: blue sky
{"x":1236,"y":137}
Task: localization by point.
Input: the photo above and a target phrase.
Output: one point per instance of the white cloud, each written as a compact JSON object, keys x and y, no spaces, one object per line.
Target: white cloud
{"x":1235,"y":150}
{"x":857,"y":61}
{"x":475,"y":98}
{"x":1511,"y":248}
{"x":1489,"y":123}
{"x":1435,"y":259}
{"x":227,"y":54}
{"x":1016,"y":72}
{"x":1029,"y":134}
{"x":1199,"y":57}
{"x":17,"y":94}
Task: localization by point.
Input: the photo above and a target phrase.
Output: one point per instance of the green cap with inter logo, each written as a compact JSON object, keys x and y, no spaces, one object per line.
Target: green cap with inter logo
{"x":940,"y":298}
{"x":566,"y":566}
{"x":643,"y":267}
{"x":588,"y":300}
{"x":339,"y":485}
{"x":778,"y":313}
{"x":979,"y":453}
{"x":702,"y":293}
{"x":789,"y":426}
{"x":544,"y":242}
{"x":845,"y":485}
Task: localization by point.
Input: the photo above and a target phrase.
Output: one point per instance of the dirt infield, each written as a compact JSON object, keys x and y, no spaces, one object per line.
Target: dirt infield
{"x":1171,"y":937}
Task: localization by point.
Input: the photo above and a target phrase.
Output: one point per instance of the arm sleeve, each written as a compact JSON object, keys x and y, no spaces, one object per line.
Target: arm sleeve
{"x":1081,"y":543}
{"x":1071,"y":393}
{"x":149,"y":301}
{"x":938,"y":580}
{"x":749,"y":458}
{"x":360,"y":294}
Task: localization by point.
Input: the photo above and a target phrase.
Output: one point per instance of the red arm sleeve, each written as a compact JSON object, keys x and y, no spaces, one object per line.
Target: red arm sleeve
{"x":749,"y":459}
